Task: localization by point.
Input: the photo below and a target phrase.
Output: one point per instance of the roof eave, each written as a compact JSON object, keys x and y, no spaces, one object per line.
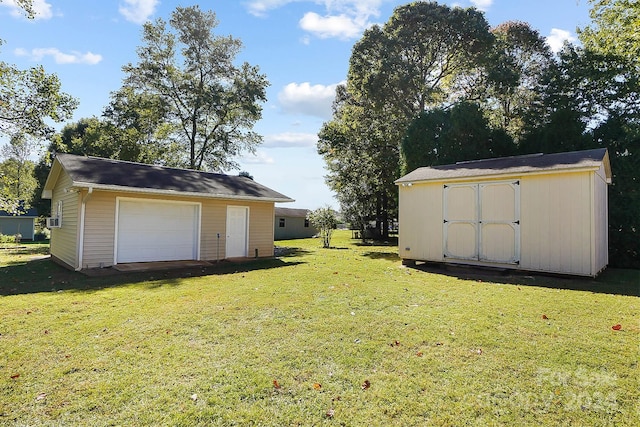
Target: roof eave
{"x":406,"y":179}
{"x":136,"y":190}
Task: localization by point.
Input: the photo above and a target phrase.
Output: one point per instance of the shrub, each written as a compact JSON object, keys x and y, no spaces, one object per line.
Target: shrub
{"x":42,"y":234}
{"x":325,"y":220}
{"x":7,"y":239}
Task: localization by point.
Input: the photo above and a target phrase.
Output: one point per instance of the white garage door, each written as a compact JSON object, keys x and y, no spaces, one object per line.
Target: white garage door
{"x":156,"y":231}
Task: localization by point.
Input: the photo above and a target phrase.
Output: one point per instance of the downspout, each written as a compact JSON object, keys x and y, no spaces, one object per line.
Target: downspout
{"x":85,"y":199}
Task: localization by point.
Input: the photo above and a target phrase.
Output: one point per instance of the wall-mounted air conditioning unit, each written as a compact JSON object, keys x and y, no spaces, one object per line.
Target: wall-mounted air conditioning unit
{"x":53,"y":222}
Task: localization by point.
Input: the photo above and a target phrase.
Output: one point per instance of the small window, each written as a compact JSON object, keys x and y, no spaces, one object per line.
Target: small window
{"x":281,"y":224}
{"x":306,"y":223}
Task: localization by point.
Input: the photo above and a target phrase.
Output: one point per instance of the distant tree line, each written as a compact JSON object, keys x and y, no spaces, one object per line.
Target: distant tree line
{"x":436,"y":85}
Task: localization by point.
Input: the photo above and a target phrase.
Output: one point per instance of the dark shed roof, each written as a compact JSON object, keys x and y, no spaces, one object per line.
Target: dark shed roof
{"x":117,"y":175}
{"x":532,"y":163}
{"x":291,"y":212}
{"x":31,"y":212}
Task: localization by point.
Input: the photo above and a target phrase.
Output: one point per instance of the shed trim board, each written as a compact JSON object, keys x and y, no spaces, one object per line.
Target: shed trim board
{"x":142,"y":232}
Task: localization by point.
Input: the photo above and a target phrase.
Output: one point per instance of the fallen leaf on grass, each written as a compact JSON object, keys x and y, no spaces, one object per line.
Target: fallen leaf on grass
{"x":276,"y":385}
{"x":194,"y":397}
{"x":14,"y":376}
{"x":544,"y":317}
{"x":396,"y":343}
{"x":41,"y":396}
{"x":317,"y":386}
{"x":330,"y":413}
{"x":419,"y":354}
{"x":365,"y":385}
{"x":616,"y":327}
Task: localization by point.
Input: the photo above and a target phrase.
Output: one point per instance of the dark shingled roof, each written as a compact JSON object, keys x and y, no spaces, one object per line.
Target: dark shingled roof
{"x":291,"y":212}
{"x":31,"y":212}
{"x":516,"y":165}
{"x":128,"y":176}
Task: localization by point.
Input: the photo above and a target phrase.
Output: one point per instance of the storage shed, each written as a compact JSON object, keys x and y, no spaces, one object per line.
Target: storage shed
{"x":107,"y":212}
{"x":540,"y":212}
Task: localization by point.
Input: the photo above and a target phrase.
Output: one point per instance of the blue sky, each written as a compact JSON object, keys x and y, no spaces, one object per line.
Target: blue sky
{"x":303,"y":47}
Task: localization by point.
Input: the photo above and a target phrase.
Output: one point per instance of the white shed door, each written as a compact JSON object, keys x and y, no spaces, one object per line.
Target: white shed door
{"x":461,"y":221}
{"x":156,"y":231}
{"x":482,"y":222}
{"x":237,"y":231}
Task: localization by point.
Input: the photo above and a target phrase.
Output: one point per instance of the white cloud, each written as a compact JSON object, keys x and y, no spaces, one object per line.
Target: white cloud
{"x":259,"y":158}
{"x":340,"y":26}
{"x":290,"y":140}
{"x":342,"y":18}
{"x":138,"y":11}
{"x":304,"y":98}
{"x":482,"y":4}
{"x":261,"y":7}
{"x":556,"y":39}
{"x":41,"y":9}
{"x":60,"y":57}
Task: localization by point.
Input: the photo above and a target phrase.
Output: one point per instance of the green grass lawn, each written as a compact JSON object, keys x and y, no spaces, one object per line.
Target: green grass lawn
{"x":341,"y":336}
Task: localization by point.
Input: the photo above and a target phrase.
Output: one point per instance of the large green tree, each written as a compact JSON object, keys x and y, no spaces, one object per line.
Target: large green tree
{"x":210,"y":103}
{"x":135,"y":124}
{"x":17,"y":183}
{"x":614,"y":29}
{"x":29,"y":98}
{"x":443,"y":136}
{"x":517,"y":63}
{"x":412,"y":63}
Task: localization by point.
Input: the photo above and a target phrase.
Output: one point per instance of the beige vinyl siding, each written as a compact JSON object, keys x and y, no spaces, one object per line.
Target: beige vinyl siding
{"x":100,"y":214}
{"x":214,"y":222}
{"x":420,"y":222}
{"x":99,"y":230}
{"x":556,"y":226}
{"x":64,"y":240}
{"x":261,"y":217}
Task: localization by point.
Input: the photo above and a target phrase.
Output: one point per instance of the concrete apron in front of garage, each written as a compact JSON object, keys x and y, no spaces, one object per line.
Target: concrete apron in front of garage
{"x":134,"y":267}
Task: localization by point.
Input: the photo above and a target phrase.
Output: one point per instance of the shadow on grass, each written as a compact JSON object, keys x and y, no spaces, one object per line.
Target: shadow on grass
{"x":611,"y":281}
{"x":389,"y":256}
{"x":43,"y":275}
{"x":288,"y":252}
{"x":393,"y":241}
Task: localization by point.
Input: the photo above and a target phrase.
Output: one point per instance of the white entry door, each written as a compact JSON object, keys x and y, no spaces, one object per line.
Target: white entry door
{"x":152,"y":230}
{"x":237,"y":231}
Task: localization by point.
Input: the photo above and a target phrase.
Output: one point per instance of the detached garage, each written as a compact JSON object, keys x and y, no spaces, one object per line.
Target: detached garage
{"x":107,"y":212}
{"x":541,"y":212}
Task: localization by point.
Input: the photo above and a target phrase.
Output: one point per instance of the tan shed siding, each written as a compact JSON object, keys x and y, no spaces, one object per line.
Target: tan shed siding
{"x":420,"y":222}
{"x":99,"y":230}
{"x":261,"y":217}
{"x":64,"y":240}
{"x":556,"y":223}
